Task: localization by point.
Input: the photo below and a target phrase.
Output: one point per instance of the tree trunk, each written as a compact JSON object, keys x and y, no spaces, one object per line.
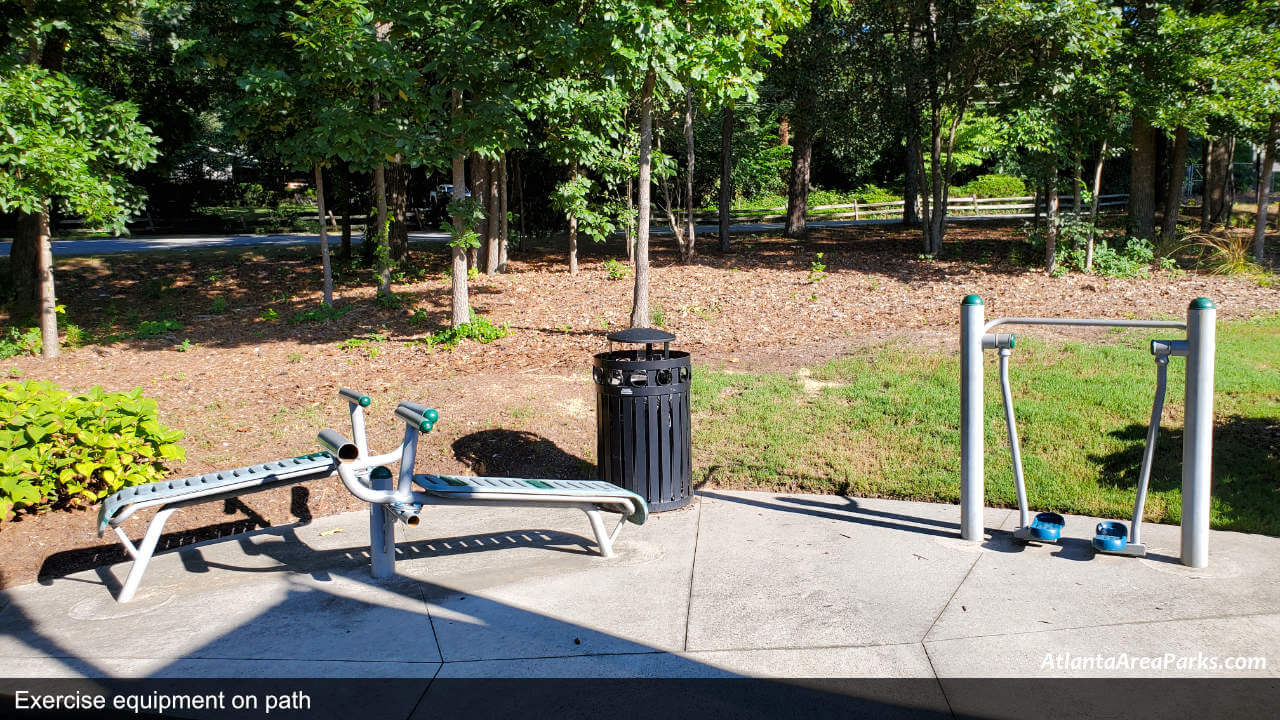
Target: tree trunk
{"x":689,"y":248}
{"x":640,"y":299}
{"x":1037,"y":199}
{"x":1173,"y":192}
{"x":493,"y":254}
{"x":398,"y":203}
{"x":798,"y":189}
{"x":1218,"y":182}
{"x":938,"y":190}
{"x":726,"y":173}
{"x":519,"y":200}
{"x":911,"y":175}
{"x":381,"y":252}
{"x":479,"y":192}
{"x":1051,"y":219}
{"x":48,"y":302}
{"x":324,"y":238}
{"x":784,"y":131}
{"x":1142,"y":200}
{"x":1077,"y":188}
{"x":573,"y":227}
{"x":1097,"y":188}
{"x":24,"y":262}
{"x":503,"y":219}
{"x":1264,"y":190}
{"x":461,"y":311}
{"x":629,"y":231}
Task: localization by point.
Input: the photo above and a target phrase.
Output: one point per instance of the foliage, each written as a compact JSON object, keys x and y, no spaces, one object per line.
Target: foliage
{"x":571,"y":198}
{"x":154,"y":328}
{"x":616,"y":270}
{"x":993,"y":186}
{"x":65,"y":141}
{"x":20,"y":342}
{"x":63,"y":450}
{"x":478,"y":328}
{"x":1122,"y":257}
{"x":817,"y":269}
{"x":1223,"y":253}
{"x":322,"y":314}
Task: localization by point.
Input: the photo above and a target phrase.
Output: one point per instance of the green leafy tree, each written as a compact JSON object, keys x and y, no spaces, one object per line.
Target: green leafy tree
{"x":66,"y":144}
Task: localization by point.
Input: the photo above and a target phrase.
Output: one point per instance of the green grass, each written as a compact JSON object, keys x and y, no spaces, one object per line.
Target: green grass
{"x":885,"y":423}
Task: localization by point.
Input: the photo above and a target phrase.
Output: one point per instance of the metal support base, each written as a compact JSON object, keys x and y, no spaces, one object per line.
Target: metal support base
{"x":141,"y":553}
{"x":1130,"y":550}
{"x":1024,"y":534}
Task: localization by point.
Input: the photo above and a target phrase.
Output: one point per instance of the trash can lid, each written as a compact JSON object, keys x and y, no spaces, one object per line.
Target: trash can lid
{"x":640,"y":335}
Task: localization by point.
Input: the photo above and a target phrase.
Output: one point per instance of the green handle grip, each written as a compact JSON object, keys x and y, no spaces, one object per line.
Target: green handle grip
{"x":355,"y":396}
{"x":418,"y":420}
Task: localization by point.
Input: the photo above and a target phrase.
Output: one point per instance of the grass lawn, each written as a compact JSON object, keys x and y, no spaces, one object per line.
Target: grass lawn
{"x":885,"y":423}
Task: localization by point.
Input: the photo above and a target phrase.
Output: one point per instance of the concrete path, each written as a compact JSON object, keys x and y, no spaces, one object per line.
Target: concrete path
{"x":738,"y":584}
{"x":108,"y":246}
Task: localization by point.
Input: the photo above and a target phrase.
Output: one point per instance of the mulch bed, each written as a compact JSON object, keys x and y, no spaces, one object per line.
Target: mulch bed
{"x":254,"y":388}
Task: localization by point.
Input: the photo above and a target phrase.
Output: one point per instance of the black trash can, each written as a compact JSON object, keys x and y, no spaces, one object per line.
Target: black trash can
{"x":642,"y":418}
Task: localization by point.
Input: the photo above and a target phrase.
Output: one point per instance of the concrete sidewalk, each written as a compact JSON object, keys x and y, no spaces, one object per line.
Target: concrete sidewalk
{"x":738,"y":584}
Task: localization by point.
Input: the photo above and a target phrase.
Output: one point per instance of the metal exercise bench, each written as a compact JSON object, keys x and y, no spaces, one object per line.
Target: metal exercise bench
{"x":368,"y":479}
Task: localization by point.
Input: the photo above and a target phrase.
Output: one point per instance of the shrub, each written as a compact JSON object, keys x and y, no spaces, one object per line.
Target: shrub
{"x":478,"y":328}
{"x":870,"y":193}
{"x":993,"y":186}
{"x":1112,"y":256}
{"x":63,"y":450}
{"x":155,"y":328}
{"x":20,"y":342}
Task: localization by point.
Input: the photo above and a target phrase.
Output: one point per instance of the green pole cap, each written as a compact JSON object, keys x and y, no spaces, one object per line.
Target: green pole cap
{"x":1013,"y":340}
{"x":971,"y":300}
{"x":431,"y":414}
{"x":382,"y":472}
{"x":365,"y":400}
{"x":425,"y":426}
{"x":1201,"y":303}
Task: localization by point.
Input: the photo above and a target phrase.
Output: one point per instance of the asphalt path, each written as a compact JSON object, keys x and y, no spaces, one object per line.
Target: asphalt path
{"x":107,"y":246}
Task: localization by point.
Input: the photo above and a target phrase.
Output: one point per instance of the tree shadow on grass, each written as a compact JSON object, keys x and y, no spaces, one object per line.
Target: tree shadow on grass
{"x":1246,"y":469}
{"x":499,"y":452}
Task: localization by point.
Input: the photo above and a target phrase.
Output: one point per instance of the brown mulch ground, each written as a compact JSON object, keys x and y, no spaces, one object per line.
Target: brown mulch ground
{"x":254,"y":389}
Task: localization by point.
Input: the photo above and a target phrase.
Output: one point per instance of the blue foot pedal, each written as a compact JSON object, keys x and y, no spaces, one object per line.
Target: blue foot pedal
{"x":1111,"y":537}
{"x":1045,"y":527}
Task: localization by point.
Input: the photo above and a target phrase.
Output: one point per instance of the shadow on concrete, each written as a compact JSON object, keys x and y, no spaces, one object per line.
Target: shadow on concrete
{"x":851,"y":511}
{"x":395,"y":634}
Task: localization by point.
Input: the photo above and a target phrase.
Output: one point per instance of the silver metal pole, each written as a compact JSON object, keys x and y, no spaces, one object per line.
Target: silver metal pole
{"x":1019,"y":481}
{"x":1197,"y":443}
{"x":357,"y":428}
{"x":382,"y":529}
{"x":971,"y":418}
{"x":1149,"y":450}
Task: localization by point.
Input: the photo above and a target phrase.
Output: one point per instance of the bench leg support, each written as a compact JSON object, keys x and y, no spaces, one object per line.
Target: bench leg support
{"x":142,"y":552}
{"x":604,"y":538}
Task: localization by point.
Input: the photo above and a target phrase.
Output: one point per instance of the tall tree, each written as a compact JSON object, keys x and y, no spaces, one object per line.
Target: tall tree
{"x":65,"y":142}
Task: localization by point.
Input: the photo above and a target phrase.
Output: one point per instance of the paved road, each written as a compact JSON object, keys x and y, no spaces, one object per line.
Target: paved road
{"x":106,"y":246}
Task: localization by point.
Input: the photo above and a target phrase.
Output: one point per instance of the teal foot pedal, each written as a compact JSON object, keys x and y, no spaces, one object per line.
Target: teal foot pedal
{"x":1112,"y":537}
{"x":1046,"y":527}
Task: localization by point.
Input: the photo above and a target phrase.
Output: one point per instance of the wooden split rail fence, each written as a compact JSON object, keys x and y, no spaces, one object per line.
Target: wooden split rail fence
{"x":967,"y":206}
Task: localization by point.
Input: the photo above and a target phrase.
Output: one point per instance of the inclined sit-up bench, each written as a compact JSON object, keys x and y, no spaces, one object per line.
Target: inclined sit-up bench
{"x":368,"y":478}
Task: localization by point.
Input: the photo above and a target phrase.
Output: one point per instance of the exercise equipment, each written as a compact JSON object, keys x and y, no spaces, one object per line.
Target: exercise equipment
{"x":392,"y":497}
{"x":1110,"y":536}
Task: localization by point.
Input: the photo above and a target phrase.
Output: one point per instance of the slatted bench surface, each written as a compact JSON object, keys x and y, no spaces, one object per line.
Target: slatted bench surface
{"x":254,"y":477}
{"x":454,"y":486}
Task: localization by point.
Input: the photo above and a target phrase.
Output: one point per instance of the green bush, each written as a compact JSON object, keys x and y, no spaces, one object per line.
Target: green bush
{"x":1112,"y":256}
{"x":478,"y":328}
{"x":20,"y":342}
{"x":993,"y":186}
{"x":62,"y":450}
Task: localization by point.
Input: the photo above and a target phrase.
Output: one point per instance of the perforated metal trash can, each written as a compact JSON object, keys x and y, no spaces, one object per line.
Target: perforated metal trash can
{"x":642,"y":418}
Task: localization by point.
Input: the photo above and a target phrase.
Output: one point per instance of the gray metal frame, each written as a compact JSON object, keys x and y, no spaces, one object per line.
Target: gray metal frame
{"x":390,"y":502}
{"x":1197,"y":449}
